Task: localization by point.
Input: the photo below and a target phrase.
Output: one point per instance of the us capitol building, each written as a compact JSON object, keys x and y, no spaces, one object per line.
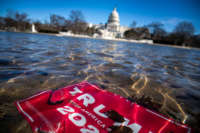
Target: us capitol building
{"x":112,"y":28}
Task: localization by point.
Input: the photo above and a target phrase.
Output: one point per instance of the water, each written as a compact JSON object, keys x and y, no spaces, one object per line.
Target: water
{"x":165,"y":79}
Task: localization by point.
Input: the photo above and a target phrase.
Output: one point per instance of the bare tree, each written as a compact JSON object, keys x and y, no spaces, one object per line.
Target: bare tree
{"x":157,"y":30}
{"x":78,"y":24}
{"x":57,"y":21}
{"x":183,"y":33}
{"x":137,"y":33}
{"x":17,"y":20}
{"x":154,"y":26}
{"x":76,"y":16}
{"x":21,"y":17}
{"x":184,"y":28}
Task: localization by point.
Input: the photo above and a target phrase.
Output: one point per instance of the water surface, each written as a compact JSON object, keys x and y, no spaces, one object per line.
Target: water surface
{"x":165,"y":76}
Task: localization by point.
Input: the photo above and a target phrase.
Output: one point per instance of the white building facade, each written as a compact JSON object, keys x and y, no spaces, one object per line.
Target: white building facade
{"x":112,"y":28}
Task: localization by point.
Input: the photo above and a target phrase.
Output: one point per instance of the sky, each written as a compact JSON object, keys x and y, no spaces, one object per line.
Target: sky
{"x":168,"y":12}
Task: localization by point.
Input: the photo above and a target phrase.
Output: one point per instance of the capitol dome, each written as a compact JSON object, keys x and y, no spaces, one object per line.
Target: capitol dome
{"x":114,"y":17}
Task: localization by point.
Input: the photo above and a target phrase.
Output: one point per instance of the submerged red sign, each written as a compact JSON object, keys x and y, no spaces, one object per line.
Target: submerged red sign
{"x":85,"y":108}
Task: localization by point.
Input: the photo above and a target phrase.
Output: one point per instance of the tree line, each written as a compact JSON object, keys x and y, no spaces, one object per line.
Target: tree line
{"x":15,"y":21}
{"x":182,"y":35}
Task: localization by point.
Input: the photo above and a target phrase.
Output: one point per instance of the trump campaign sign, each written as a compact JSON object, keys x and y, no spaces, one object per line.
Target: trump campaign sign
{"x":85,"y":108}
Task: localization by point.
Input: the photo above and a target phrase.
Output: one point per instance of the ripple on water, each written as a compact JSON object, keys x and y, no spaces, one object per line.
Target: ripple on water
{"x":164,"y":79}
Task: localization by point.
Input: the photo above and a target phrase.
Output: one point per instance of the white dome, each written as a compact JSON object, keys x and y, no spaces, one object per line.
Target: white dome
{"x":114,"y":17}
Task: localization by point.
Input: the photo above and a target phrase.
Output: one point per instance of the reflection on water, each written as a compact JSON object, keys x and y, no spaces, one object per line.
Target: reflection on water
{"x":29,"y":63}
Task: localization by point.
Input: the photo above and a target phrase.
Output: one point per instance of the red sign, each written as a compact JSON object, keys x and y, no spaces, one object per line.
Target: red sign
{"x":85,"y":108}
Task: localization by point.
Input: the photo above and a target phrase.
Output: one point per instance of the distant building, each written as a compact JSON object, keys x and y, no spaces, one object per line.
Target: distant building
{"x":113,"y":24}
{"x":112,"y":28}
